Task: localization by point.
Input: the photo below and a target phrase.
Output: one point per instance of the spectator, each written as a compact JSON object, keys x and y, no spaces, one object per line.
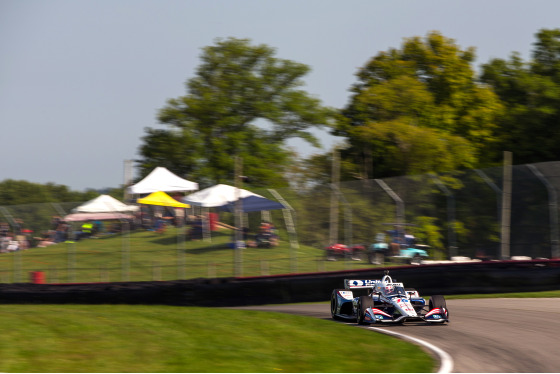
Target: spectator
{"x":97,"y":227}
{"x":409,"y":240}
{"x":87,"y":228}
{"x":245,"y":231}
{"x":46,"y":239}
{"x":179,"y":217}
{"x":266,"y":236}
{"x":158,"y":217}
{"x":4,"y":242}
{"x":248,"y":238}
{"x":18,"y":226}
{"x":196,"y":228}
{"x":60,"y":232}
{"x":13,"y":246}
{"x":55,"y":221}
{"x":160,"y":225}
{"x":397,"y":240}
{"x":4,"y":229}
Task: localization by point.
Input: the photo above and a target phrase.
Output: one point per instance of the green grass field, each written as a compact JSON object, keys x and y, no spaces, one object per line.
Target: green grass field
{"x":119,"y":338}
{"x":146,"y":256}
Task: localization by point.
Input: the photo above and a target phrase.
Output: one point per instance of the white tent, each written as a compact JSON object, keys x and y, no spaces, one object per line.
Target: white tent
{"x":103,"y":207}
{"x":105,"y":204}
{"x":77,"y":217}
{"x":215,"y":196}
{"x":161,"y":179}
{"x":222,"y":195}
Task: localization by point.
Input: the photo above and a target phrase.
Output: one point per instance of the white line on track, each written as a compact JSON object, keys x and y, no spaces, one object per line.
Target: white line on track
{"x":446,"y":362}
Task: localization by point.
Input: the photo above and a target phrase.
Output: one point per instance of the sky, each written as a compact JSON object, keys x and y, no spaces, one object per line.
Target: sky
{"x":80,"y":80}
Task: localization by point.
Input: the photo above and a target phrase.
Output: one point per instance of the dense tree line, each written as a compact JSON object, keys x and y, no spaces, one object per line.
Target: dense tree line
{"x":530,"y":92}
{"x":33,"y":205}
{"x":17,"y":192}
{"x":416,"y":109}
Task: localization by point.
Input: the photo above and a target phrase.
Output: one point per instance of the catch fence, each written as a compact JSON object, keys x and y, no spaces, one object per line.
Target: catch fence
{"x":458,"y":214}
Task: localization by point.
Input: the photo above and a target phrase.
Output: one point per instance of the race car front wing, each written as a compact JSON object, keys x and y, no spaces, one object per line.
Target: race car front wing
{"x":436,"y":315}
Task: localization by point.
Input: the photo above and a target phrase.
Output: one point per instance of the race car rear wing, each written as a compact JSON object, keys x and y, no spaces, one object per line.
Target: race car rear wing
{"x":366,"y":283}
{"x":363,"y":283}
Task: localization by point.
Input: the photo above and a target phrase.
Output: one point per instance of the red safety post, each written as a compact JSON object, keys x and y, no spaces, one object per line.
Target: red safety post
{"x":38,"y":277}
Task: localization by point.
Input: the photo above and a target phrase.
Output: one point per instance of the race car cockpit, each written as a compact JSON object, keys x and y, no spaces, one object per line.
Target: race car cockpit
{"x":391,"y":290}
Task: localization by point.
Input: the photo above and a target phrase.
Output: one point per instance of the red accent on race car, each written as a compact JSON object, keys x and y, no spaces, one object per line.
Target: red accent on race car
{"x":378,"y":311}
{"x":435,"y":311}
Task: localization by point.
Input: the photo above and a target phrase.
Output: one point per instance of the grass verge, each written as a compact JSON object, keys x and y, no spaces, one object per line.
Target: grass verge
{"x":120,"y":338}
{"x":539,"y":294}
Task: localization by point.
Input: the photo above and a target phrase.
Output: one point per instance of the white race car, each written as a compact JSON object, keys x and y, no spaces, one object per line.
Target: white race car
{"x":385,"y":300}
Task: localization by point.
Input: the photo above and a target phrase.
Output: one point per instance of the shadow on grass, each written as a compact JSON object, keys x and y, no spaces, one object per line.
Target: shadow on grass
{"x":167,"y":239}
{"x":219,"y":241}
{"x":208,"y":248}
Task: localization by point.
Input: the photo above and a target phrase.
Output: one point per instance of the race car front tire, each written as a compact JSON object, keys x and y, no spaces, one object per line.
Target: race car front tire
{"x":438,"y":301}
{"x":364,"y":303}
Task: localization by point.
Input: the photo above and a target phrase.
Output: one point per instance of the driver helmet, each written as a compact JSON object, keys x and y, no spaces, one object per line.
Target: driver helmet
{"x":389,"y":289}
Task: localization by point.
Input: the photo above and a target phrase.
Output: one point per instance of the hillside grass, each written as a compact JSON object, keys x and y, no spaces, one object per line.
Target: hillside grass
{"x":145,"y":255}
{"x":121,"y":339}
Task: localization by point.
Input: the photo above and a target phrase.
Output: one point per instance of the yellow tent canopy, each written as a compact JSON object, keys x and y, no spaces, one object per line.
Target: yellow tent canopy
{"x":161,"y":198}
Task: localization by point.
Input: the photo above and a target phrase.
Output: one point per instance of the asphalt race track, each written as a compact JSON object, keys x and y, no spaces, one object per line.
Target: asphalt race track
{"x":484,"y":335}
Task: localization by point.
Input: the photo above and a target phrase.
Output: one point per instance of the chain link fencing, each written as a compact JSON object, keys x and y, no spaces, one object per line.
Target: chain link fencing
{"x":458,"y":214}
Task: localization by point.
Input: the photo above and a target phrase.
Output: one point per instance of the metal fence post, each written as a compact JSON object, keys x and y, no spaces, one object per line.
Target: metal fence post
{"x":237,"y":247}
{"x":71,"y":262}
{"x":506,"y":206}
{"x":333,"y":226}
{"x":125,"y":240}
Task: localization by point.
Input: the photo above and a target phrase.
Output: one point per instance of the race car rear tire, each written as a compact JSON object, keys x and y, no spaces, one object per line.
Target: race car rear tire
{"x":364,"y":303}
{"x":334,"y":305}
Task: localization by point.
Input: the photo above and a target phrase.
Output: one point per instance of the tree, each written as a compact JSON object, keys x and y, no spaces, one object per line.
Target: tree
{"x":243,"y":101}
{"x":547,"y":54}
{"x":418,"y":109}
{"x":530,"y":92}
{"x":17,"y":192}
